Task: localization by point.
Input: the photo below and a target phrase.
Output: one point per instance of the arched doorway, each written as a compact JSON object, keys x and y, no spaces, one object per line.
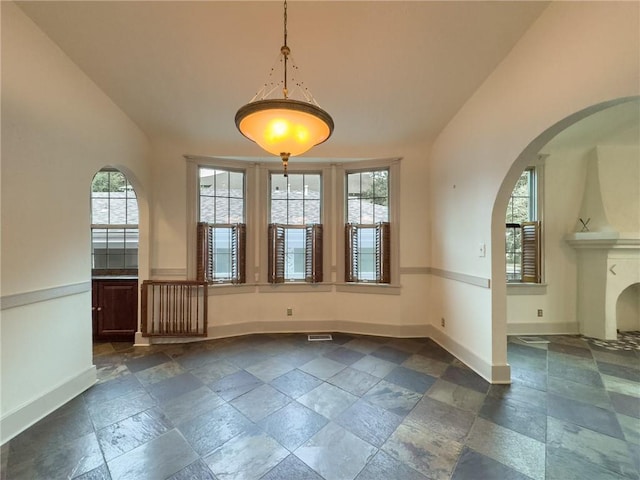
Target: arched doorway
{"x":114,"y":256}
{"x":554,"y":310}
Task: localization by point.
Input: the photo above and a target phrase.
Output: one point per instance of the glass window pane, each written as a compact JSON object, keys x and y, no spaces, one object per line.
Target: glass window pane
{"x":296,"y":212}
{"x":296,"y":186}
{"x":366,"y":254}
{"x":222,"y":210}
{"x":99,"y":209}
{"x":236,"y":210}
{"x":279,"y":211}
{"x":295,"y":240}
{"x":222,"y":183}
{"x":117,"y":210}
{"x":278,"y":186}
{"x":312,"y":186}
{"x":353,"y":184}
{"x":353,"y":210}
{"x":381,"y":213}
{"x":132,"y":211}
{"x":207,"y":210}
{"x":311,"y":211}
{"x":236,"y":184}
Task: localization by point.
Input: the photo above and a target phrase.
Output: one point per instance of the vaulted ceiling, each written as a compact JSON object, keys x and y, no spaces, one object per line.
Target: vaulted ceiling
{"x":390,"y":73}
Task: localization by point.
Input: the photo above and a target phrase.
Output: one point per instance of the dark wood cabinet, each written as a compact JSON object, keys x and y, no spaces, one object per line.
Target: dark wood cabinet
{"x":115,"y":309}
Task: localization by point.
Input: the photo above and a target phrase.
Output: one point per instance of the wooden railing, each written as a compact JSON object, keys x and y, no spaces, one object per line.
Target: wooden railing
{"x":174,"y":309}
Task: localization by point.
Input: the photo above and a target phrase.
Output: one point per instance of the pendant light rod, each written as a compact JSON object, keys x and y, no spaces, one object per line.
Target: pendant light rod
{"x":285,"y":53}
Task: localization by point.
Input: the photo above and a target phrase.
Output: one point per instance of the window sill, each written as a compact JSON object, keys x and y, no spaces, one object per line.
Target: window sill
{"x":371,"y":288}
{"x":514,"y":288}
{"x":230,"y":288}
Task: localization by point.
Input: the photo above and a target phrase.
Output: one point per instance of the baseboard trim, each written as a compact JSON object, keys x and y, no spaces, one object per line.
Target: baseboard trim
{"x":499,"y":374}
{"x":566,"y":328}
{"x":21,"y":418}
{"x":35,"y":296}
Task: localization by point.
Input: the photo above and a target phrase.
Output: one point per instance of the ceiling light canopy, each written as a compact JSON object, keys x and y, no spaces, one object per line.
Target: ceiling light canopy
{"x":284,"y":126}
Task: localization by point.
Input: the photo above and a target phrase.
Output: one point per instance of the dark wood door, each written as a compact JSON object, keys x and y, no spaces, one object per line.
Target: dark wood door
{"x":115,"y":309}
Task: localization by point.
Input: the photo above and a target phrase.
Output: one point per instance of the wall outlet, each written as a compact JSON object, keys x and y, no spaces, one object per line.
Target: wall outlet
{"x":289,"y":312}
{"x":539,"y":312}
{"x":442,"y":322}
{"x":482,"y":250}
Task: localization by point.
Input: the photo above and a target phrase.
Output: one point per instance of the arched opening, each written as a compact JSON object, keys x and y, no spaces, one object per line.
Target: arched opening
{"x":114,"y":256}
{"x":567,"y":149}
{"x":628,"y":309}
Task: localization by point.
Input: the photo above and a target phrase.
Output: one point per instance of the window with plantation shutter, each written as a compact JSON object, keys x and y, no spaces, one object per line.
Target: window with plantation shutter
{"x":295,"y":231}
{"x":367,"y":253}
{"x":221,"y":231}
{"x":221,"y":253}
{"x":523,"y":230}
{"x":530,"y":235}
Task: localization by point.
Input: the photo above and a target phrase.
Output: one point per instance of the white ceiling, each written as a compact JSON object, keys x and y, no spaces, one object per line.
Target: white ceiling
{"x":389,"y":73}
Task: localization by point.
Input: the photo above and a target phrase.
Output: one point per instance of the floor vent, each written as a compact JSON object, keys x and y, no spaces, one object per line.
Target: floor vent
{"x":533,"y":340}
{"x":324,"y":337}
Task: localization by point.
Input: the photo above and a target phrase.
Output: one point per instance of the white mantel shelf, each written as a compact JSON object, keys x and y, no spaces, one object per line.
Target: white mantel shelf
{"x":603,"y":240}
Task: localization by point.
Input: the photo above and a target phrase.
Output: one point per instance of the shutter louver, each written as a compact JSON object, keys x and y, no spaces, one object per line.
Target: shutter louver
{"x":276,"y":253}
{"x":313,"y":253}
{"x":383,"y":251}
{"x":239,"y":253}
{"x":203,"y":252}
{"x":351,"y":253}
{"x":531,"y":264}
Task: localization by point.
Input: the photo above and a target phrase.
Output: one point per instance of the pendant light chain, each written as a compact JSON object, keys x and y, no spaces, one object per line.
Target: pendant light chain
{"x":285,"y":53}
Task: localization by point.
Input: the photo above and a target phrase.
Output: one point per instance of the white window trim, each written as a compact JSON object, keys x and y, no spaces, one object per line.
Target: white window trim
{"x":339,"y":220}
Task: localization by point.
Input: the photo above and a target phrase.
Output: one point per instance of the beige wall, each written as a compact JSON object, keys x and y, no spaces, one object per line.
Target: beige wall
{"x":58,"y":129}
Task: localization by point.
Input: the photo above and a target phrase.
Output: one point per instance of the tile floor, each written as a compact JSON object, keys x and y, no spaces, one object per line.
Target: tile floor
{"x":276,"y":407}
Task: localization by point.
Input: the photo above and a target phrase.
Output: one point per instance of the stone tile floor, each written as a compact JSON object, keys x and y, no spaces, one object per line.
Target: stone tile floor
{"x":276,"y":407}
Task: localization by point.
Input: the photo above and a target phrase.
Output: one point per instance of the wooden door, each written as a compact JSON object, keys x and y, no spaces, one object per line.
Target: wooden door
{"x":116,"y":309}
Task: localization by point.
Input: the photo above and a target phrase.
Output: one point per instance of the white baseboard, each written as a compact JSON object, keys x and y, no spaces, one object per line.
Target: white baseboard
{"x":21,"y":418}
{"x":567,"y":328}
{"x":491,"y":373}
{"x":320,"y":326}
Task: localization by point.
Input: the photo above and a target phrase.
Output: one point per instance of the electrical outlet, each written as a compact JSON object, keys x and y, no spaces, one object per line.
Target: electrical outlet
{"x":442,"y":322}
{"x":289,"y":312}
{"x":539,"y":312}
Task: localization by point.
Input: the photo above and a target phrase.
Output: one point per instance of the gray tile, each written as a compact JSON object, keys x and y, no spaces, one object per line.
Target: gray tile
{"x":579,"y":392}
{"x":119,"y":408}
{"x":191,"y":404}
{"x":456,"y":396}
{"x":392,"y":397}
{"x":207,"y":432}
{"x":631,"y":429}
{"x":111,"y":389}
{"x":248,"y":456}
{"x":100,"y":473}
{"x":631,"y":361}
{"x":536,"y":380}
{"x":521,"y":356}
{"x":510,"y":448}
{"x":426,"y":451}
{"x":260,"y":402}
{"x":585,"y":415}
{"x":335,"y":453}
{"x":159,"y":458}
{"x":354,"y":381}
{"x":293,"y":425}
{"x":391,"y":354}
{"x":568,"y":466}
{"x":374,"y":366}
{"x":575,"y":350}
{"x":322,"y":367}
{"x":621,"y":385}
{"x":159,"y":373}
{"x":569,"y":442}
{"x":466,"y":378}
{"x":165,"y":390}
{"x":625,"y":404}
{"x":198,"y":470}
{"x":57,"y":459}
{"x":362,"y":345}
{"x":426,"y":365}
{"x":291,"y":468}
{"x":248,"y":357}
{"x":212,"y":372}
{"x":473,"y":465}
{"x":410,"y":379}
{"x":328,"y":400}
{"x":575,"y":374}
{"x":147,"y":361}
{"x":620,"y":371}
{"x":436,"y":352}
{"x":236,"y":384}
{"x":409,"y":345}
{"x":132,"y":432}
{"x":435,"y":416}
{"x":516,"y":416}
{"x":344,"y":355}
{"x":555,"y":358}
{"x":270,"y":369}
{"x":384,"y":467}
{"x":371,"y":423}
{"x":296,"y":383}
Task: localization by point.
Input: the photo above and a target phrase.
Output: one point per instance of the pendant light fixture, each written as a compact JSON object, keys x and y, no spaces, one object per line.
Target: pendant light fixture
{"x":284,"y":126}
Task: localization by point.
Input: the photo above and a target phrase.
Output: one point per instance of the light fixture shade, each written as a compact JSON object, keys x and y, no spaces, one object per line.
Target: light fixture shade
{"x":284,"y":125}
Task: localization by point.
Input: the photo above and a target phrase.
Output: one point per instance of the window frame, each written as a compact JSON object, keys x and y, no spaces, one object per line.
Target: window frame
{"x":342,"y":170}
{"x":536,"y":214}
